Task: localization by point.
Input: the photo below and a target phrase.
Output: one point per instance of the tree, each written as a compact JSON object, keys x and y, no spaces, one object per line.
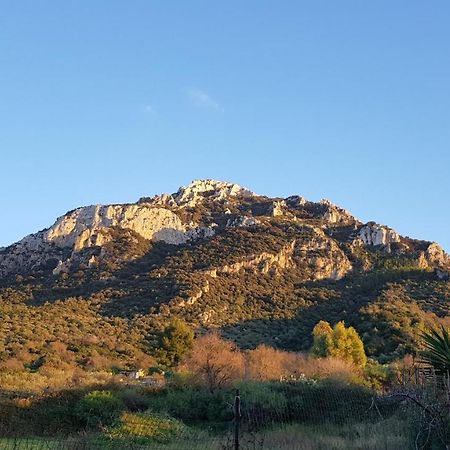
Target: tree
{"x":176,"y":340}
{"x":322,"y":339}
{"x":265,"y":363}
{"x":216,"y":361}
{"x":340,"y":341}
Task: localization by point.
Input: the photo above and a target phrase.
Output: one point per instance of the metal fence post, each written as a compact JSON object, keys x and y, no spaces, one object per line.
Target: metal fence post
{"x":237,"y":419}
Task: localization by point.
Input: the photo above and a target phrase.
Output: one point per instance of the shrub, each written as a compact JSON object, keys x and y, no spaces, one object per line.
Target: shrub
{"x":265,"y":363}
{"x":144,"y":427}
{"x":378,"y":376}
{"x":134,"y":399}
{"x":325,"y":401}
{"x":261,"y":404}
{"x":192,"y":404}
{"x":184,"y":380}
{"x":98,"y":408}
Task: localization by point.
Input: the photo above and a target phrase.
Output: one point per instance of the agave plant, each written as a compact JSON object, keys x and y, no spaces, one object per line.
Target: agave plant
{"x":437,"y":349}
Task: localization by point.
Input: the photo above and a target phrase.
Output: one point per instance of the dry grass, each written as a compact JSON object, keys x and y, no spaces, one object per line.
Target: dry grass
{"x":390,"y":434}
{"x":53,"y":380}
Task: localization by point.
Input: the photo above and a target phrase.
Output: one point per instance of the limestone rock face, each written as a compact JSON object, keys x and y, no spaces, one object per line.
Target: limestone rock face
{"x":319,"y":255}
{"x":264,"y":263}
{"x":434,"y":256}
{"x":277,"y":208}
{"x":218,"y":190}
{"x":296,"y":200}
{"x":197,"y":191}
{"x":375,"y":234}
{"x":81,"y":227}
{"x":334,"y":214}
{"x":85,"y":227}
{"x":27,"y":254}
{"x":322,"y":256}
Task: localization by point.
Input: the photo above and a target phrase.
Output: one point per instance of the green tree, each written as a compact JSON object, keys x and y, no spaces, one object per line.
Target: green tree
{"x":340,"y":341}
{"x":176,"y":340}
{"x":322,"y":339}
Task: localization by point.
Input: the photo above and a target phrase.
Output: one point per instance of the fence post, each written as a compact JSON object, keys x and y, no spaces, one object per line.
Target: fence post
{"x":237,"y":419}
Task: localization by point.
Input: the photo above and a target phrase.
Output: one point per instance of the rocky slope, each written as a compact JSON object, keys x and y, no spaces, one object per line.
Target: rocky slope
{"x":199,"y":211}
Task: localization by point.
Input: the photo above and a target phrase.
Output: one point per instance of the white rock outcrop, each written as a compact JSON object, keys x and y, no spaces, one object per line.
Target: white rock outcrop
{"x":80,"y":228}
{"x":277,"y":208}
{"x":76,"y":236}
{"x":87,"y":227}
{"x":199,"y":189}
{"x":264,"y":262}
{"x":436,"y":256}
{"x":334,"y":214}
{"x":241,"y":221}
{"x":376,"y":234}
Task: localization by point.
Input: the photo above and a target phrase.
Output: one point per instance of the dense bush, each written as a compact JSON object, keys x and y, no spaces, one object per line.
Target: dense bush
{"x":134,"y":399}
{"x":194,"y":404}
{"x":379,"y":376}
{"x":98,"y":408}
{"x":263,"y":403}
{"x":306,"y":402}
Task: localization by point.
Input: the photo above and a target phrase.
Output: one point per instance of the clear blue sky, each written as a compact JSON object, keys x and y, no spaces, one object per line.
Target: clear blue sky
{"x":107,"y":101}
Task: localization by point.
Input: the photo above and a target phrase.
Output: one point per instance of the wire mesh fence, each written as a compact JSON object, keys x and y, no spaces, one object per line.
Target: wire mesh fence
{"x":298,"y":414}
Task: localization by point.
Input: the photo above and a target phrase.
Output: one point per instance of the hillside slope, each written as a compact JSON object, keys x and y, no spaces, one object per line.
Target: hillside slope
{"x":103,"y":280}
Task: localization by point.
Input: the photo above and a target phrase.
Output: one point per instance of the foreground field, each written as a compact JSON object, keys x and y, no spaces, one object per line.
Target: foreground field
{"x":387,"y":434}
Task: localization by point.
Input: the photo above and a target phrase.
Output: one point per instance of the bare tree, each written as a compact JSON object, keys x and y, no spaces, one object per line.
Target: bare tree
{"x":215,"y":360}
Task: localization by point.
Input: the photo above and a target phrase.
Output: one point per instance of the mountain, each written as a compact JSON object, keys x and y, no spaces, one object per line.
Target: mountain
{"x":218,"y":255}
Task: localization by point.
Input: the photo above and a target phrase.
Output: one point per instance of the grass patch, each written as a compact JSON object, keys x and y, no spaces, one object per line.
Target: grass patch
{"x":167,"y":434}
{"x":144,"y":428}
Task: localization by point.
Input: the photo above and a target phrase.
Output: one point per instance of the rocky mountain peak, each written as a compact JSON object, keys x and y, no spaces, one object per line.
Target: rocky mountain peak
{"x":194,"y":192}
{"x":200,"y":210}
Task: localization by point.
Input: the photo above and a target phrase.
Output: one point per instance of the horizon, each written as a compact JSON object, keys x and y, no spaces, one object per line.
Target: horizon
{"x":107,"y":104}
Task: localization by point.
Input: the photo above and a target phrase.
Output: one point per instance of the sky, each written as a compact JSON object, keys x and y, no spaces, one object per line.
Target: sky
{"x":107,"y":101}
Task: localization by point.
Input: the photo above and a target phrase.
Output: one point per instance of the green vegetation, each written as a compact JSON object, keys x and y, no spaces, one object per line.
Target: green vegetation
{"x":285,"y":396}
{"x":98,"y":409}
{"x":340,"y":342}
{"x":71,"y":344}
{"x":437,"y":349}
{"x":393,"y":433}
{"x":176,"y":340}
{"x":145,"y":428}
{"x":275,"y":415}
{"x":112,"y":315}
